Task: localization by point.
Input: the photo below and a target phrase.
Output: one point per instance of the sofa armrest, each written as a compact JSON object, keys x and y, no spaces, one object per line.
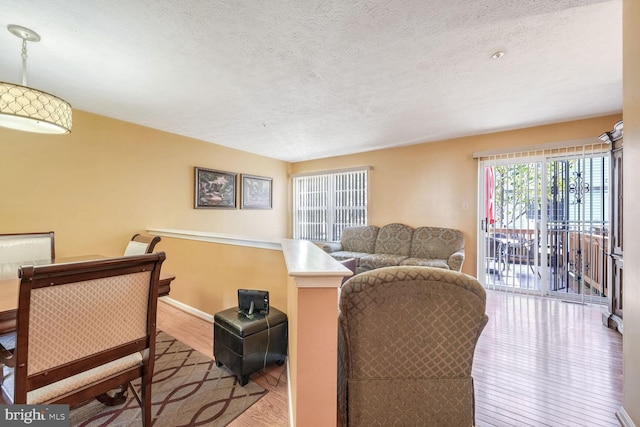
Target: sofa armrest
{"x":455,"y":260}
{"x":332,"y":247}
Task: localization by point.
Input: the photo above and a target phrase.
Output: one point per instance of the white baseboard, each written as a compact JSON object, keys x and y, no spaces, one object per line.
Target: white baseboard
{"x":184,"y":307}
{"x":290,"y":398}
{"x":624,"y":418}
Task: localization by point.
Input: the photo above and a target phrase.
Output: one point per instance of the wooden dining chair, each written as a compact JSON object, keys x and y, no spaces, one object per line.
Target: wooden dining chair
{"x":19,"y":248}
{"x":140,"y":244}
{"x":83,"y":329}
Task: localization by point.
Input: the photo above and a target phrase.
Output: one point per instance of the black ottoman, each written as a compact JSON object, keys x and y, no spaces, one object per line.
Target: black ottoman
{"x":240,"y":343}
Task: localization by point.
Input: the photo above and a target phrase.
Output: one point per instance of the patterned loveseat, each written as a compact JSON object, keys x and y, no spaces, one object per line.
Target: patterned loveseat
{"x":399,"y":244}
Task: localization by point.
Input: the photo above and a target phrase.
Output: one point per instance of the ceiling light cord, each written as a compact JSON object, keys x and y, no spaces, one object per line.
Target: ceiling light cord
{"x":24,"y":62}
{"x":28,"y":109}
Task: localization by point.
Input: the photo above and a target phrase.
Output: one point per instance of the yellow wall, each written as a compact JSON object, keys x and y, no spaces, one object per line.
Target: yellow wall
{"x":110,"y":179}
{"x":631,"y":71}
{"x":435,"y":184}
{"x":208,"y":275}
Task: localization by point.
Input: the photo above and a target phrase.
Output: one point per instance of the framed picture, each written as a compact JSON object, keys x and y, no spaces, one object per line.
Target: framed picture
{"x":215,"y":189}
{"x":256,"y":192}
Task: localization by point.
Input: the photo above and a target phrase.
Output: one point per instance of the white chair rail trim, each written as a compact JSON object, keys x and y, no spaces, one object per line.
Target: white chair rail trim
{"x":306,"y":262}
{"x":225,"y":239}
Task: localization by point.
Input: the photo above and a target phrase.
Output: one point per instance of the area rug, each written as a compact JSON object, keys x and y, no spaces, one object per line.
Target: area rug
{"x":188,"y":390}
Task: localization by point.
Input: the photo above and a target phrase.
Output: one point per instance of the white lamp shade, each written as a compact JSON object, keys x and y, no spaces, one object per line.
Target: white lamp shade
{"x":31,"y":110}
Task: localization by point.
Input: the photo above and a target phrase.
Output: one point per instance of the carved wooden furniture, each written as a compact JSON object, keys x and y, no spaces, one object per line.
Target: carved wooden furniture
{"x":9,"y":287}
{"x":407,"y":337}
{"x":246,"y":345}
{"x":140,"y":244}
{"x":164,"y":285}
{"x":103,"y":338}
{"x":612,"y":316}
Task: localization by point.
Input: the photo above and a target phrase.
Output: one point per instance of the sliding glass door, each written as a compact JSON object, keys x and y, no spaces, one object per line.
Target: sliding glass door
{"x":544,"y":223}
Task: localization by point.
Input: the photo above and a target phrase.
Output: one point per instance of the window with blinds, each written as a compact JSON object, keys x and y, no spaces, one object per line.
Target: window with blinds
{"x":325,"y":203}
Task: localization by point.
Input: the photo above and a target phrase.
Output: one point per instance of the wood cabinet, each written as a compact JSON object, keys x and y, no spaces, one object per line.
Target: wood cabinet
{"x":612,"y":316}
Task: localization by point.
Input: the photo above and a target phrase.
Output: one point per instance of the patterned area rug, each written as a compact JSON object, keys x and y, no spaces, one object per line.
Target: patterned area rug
{"x":188,"y":390}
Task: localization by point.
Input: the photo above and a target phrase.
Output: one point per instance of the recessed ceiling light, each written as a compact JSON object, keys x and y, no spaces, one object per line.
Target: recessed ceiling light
{"x":499,"y":54}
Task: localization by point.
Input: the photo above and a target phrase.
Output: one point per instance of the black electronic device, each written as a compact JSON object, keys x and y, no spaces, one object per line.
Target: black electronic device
{"x":251,"y":301}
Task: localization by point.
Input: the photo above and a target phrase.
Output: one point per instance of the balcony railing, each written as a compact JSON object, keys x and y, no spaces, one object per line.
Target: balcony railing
{"x":576,"y":261}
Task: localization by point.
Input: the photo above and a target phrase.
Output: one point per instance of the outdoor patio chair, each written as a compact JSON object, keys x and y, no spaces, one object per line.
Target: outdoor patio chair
{"x":497,"y":256}
{"x":531,"y":249}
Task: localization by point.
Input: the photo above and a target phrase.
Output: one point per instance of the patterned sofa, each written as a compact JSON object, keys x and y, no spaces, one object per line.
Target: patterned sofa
{"x":399,"y":244}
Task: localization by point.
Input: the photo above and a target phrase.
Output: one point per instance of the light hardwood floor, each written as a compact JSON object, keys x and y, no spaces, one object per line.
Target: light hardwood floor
{"x":545,"y":362}
{"x":539,"y":362}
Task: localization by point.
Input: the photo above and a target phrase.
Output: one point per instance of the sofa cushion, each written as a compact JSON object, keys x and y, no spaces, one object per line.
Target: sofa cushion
{"x":440,"y":263}
{"x":344,"y":255}
{"x":394,"y":239}
{"x":56,"y":389}
{"x":374,"y":261}
{"x":436,"y":242}
{"x":359,"y":239}
{"x":330,"y":247}
{"x":399,"y":244}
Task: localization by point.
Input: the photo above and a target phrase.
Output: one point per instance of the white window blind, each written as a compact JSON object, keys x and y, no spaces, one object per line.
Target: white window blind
{"x":325,"y":203}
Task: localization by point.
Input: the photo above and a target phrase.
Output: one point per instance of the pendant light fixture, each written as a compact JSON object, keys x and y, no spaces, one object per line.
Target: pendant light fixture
{"x":27,"y":109}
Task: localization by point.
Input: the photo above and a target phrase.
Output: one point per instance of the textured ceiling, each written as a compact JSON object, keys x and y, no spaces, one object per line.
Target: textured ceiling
{"x":300,"y":79}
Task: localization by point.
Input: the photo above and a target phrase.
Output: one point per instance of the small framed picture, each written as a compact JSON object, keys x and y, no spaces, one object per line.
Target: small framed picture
{"x":215,"y":189}
{"x":256,"y":192}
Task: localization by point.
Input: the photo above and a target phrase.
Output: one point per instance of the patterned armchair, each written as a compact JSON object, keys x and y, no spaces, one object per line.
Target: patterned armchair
{"x":84,"y":328}
{"x":407,"y":336}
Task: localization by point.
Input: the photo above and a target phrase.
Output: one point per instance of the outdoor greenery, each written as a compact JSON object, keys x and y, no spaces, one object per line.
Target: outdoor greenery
{"x":573,"y":191}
